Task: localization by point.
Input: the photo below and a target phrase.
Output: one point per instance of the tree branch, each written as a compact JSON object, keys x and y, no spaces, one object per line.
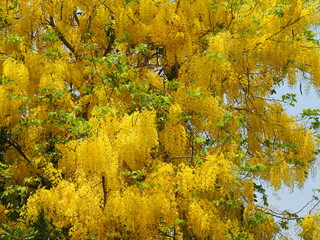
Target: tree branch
{"x":110,"y":43}
{"x":16,"y":145}
{"x":105,"y":192}
{"x":271,"y":213}
{"x":61,"y":36}
{"x":314,"y":207}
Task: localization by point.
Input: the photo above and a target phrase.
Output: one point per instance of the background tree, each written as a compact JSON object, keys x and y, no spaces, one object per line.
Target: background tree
{"x":153,"y":119}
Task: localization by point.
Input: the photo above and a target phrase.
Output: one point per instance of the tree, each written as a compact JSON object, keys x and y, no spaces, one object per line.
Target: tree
{"x":153,"y":119}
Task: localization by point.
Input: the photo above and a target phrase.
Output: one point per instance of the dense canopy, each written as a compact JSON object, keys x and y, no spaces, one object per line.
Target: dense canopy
{"x":153,"y":119}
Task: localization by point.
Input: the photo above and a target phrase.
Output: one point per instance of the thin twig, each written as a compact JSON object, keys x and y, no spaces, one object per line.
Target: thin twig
{"x":314,"y":207}
{"x":278,"y":215}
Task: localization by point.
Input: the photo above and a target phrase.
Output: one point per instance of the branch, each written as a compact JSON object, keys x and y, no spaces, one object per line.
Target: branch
{"x":105,"y":192}
{"x":178,"y":5}
{"x":314,"y":207}
{"x":278,"y":215}
{"x":131,"y":19}
{"x":61,"y":36}
{"x":289,"y":23}
{"x":103,"y":180}
{"x":16,"y":145}
{"x":111,"y":41}
{"x":76,"y":18}
{"x":240,"y":109}
{"x":106,"y":6}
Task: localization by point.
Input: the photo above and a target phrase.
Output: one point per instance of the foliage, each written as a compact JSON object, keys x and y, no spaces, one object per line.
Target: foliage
{"x":153,"y":119}
{"x":17,"y":234}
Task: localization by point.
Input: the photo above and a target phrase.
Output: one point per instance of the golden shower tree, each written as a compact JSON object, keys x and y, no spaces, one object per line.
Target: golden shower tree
{"x":153,"y":119}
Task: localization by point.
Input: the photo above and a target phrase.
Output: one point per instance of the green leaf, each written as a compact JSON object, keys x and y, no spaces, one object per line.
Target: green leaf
{"x":217,"y":57}
{"x":214,"y":6}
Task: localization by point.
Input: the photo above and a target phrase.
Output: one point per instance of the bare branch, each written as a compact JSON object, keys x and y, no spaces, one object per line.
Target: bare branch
{"x":314,"y":207}
{"x":284,"y":217}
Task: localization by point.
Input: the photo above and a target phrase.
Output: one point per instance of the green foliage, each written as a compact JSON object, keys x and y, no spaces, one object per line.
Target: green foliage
{"x":5,"y":80}
{"x":231,"y":235}
{"x":131,"y":1}
{"x":172,"y":85}
{"x":52,"y":53}
{"x":257,"y":218}
{"x":138,"y":175}
{"x":280,"y":8}
{"x":88,"y":33}
{"x":148,"y":100}
{"x":76,"y":125}
{"x":45,"y":229}
{"x":137,"y":178}
{"x":259,"y":167}
{"x":214,"y":6}
{"x":169,"y":230}
{"x":227,"y":202}
{"x":14,"y":38}
{"x":295,"y":162}
{"x":4,"y":22}
{"x":52,"y":95}
{"x":310,"y":36}
{"x":52,"y":36}
{"x":290,"y":98}
{"x":228,"y":117}
{"x":13,"y":4}
{"x":260,"y":189}
{"x":284,"y":224}
{"x":281,"y":145}
{"x":195,"y":94}
{"x":142,"y":48}
{"x":217,"y":57}
{"x":312,"y":116}
{"x":113,"y":59}
{"x":18,"y":233}
{"x":15,"y":196}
